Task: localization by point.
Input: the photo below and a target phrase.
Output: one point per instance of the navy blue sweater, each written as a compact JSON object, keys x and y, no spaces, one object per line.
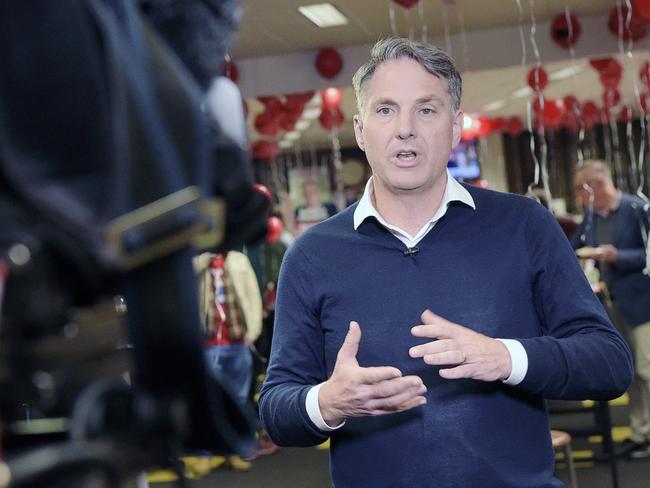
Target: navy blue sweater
{"x":505,"y":270}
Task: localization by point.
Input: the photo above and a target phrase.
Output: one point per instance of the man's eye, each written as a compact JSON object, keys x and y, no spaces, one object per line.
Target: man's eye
{"x":427,"y":111}
{"x":384,"y":110}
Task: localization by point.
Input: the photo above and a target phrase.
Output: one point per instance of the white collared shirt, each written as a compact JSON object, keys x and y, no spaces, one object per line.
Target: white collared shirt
{"x":454,"y":191}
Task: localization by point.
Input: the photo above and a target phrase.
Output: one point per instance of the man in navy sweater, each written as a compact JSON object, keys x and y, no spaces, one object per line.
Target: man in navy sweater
{"x":612,"y":233}
{"x":472,"y":305}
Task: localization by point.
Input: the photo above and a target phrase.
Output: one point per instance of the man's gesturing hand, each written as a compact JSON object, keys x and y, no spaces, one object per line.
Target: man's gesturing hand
{"x":353,"y":391}
{"x":474,"y":355}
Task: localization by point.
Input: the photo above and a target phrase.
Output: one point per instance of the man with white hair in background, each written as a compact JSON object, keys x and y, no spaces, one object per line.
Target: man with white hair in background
{"x":612,"y":233}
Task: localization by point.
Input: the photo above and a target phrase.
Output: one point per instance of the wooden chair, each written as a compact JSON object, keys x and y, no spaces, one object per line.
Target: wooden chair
{"x":562,"y":440}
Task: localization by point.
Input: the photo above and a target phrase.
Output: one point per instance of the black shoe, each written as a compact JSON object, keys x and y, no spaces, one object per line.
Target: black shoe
{"x":640,"y":452}
{"x":628,"y":446}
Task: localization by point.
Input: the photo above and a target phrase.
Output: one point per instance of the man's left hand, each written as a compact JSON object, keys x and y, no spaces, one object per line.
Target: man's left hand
{"x":473,"y":355}
{"x":607,"y":253}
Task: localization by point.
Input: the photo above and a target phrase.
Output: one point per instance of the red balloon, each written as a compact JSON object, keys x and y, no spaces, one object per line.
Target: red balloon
{"x":618,"y":24}
{"x":571,"y":102}
{"x":641,"y":9}
{"x":553,"y":112}
{"x":331,"y":97}
{"x":565,"y":34}
{"x":611,"y":98}
{"x":626,"y":114}
{"x":485,"y":127}
{"x":644,"y":74}
{"x":231,"y":71}
{"x":499,"y":123}
{"x":537,"y":105}
{"x":266,"y":124}
{"x":274,"y":228}
{"x":329,"y":62}
{"x":264,"y":190}
{"x":570,"y":121}
{"x":265,"y":149}
{"x":406,"y":3}
{"x":514,"y":126}
{"x":272,"y":105}
{"x":295,"y":103}
{"x":590,"y":114}
{"x":602,"y":64}
{"x":537,"y":78}
{"x":610,"y":79}
{"x":331,"y":118}
{"x":294,"y":109}
{"x":286,"y":121}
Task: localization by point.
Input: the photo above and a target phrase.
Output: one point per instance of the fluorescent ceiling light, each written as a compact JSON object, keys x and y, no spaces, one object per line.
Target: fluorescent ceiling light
{"x":292,"y":136}
{"x":323,"y":14}
{"x":564,"y":73}
{"x":302,"y":124}
{"x":492,"y":106}
{"x":523,"y":92}
{"x":311,"y":113}
{"x":285,"y":144}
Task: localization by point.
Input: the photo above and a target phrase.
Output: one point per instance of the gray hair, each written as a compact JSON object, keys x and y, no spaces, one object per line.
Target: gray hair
{"x":430,"y":57}
{"x":597,"y":167}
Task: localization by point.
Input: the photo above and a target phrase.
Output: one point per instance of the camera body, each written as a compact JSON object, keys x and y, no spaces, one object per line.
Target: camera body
{"x":111,"y":175}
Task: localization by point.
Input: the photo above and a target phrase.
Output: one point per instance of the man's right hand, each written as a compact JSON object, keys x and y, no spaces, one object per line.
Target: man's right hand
{"x":353,"y":391}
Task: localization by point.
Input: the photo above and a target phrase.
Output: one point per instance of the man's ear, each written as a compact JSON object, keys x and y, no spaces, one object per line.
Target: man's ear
{"x":358,"y":132}
{"x":457,"y":127}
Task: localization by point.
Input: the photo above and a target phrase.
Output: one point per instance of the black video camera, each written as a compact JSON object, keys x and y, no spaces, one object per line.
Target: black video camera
{"x":111,"y":177}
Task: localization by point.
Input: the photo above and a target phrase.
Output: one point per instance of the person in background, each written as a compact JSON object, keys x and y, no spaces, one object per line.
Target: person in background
{"x":612,"y":234}
{"x":314,"y":210}
{"x":230,"y":305}
{"x":461,"y":294}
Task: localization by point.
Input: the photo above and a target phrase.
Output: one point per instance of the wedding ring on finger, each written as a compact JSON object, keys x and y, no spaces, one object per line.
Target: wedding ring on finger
{"x":463,"y":357}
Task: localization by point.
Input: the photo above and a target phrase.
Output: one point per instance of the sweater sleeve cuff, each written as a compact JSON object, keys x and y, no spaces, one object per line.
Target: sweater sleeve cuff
{"x":519,"y":360}
{"x":313,"y":410}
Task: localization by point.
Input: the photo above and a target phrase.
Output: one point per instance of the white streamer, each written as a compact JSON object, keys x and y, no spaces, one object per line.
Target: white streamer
{"x":424,"y":27}
{"x":522,"y":37}
{"x":391,"y":16}
{"x":445,"y":19}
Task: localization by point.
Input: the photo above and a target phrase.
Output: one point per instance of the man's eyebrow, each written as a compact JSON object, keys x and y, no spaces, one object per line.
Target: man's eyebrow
{"x":430,"y":98}
{"x":385,"y":101}
{"x":425,"y":99}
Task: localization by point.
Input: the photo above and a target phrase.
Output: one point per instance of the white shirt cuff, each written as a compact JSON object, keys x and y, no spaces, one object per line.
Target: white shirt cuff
{"x":313,"y":410}
{"x":519,"y":360}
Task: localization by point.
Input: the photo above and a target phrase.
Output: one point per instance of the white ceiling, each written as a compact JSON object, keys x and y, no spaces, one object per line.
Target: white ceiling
{"x":275,"y":28}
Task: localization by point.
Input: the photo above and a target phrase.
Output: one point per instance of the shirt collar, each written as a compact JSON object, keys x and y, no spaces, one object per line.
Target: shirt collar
{"x":613,"y":207}
{"x":454,"y":192}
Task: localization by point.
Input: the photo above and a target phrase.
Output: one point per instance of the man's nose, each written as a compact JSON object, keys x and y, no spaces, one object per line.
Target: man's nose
{"x":405,"y":126}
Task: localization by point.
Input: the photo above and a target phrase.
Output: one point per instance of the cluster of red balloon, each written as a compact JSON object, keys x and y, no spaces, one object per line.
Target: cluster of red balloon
{"x":278,"y":115}
{"x":610,"y":73}
{"x":329,"y":64}
{"x":484,"y":126}
{"x":331,"y":117}
{"x":548,"y":112}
